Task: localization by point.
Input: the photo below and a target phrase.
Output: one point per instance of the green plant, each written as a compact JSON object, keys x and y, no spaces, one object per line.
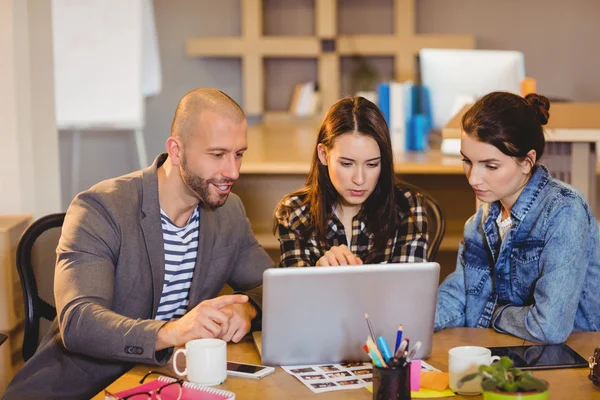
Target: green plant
{"x":363,"y":76}
{"x":502,"y":376}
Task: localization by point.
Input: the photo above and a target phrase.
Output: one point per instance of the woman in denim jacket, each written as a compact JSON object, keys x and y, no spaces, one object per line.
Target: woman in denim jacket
{"x":529,"y":262}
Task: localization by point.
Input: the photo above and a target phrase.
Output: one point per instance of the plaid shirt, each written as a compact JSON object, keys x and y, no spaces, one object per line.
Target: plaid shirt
{"x":409,"y":243}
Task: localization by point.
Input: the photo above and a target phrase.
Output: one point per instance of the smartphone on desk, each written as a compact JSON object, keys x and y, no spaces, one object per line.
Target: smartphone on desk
{"x":248,"y":370}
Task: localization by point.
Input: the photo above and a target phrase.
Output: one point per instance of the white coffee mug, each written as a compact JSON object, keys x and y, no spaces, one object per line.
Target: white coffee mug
{"x":465,"y":360}
{"x":206,"y":361}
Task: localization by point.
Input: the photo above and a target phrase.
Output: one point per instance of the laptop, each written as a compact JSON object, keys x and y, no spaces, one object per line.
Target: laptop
{"x":316,"y":315}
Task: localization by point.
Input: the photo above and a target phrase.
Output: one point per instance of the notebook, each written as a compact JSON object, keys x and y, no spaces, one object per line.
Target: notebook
{"x":191,"y":391}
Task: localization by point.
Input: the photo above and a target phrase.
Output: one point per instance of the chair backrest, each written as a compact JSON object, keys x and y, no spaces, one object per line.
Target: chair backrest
{"x":36,"y":259}
{"x":436,"y":226}
{"x":436,"y":222}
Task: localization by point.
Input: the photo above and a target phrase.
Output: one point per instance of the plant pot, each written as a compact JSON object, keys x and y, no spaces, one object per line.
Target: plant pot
{"x":515,"y":396}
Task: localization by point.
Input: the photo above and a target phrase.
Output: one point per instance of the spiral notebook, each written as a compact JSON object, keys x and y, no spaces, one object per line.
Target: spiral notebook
{"x":191,"y":391}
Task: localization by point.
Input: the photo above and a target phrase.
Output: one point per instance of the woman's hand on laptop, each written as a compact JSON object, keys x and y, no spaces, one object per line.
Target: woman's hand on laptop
{"x":338,"y":255}
{"x":209,"y":319}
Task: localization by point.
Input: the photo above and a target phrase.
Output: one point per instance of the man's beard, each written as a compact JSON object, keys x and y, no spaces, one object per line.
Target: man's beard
{"x":200,"y":186}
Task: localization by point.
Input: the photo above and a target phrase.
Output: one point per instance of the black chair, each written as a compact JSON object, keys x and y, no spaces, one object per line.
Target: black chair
{"x":36,"y":258}
{"x":436,"y":222}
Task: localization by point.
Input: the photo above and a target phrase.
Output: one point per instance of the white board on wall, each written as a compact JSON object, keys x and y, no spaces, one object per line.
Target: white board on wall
{"x":98,"y":63}
{"x":151,"y":73}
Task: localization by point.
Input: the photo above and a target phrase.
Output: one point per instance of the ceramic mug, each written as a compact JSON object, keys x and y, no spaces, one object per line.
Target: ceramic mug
{"x":206,"y":361}
{"x":465,"y":360}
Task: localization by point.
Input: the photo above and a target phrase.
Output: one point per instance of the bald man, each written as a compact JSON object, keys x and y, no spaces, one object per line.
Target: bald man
{"x":142,"y":258}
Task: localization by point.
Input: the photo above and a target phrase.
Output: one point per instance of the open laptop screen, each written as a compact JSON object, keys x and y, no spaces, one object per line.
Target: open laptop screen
{"x":316,"y":315}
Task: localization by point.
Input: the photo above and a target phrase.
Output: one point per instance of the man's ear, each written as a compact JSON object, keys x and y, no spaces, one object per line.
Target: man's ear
{"x":529,"y":162}
{"x":322,"y":153}
{"x":174,"y":149}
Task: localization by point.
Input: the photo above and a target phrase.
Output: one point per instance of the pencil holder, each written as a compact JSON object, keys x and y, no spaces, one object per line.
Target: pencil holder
{"x":391,"y":383}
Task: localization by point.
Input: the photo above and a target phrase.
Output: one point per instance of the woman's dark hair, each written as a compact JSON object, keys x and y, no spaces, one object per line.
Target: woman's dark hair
{"x":381,"y":212}
{"x":509,"y":122}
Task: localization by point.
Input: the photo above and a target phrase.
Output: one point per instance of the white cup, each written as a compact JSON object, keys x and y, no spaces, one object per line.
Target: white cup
{"x":206,"y":361}
{"x":465,"y":360}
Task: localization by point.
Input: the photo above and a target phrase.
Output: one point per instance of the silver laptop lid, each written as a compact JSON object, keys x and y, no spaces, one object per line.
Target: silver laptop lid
{"x":316,"y":315}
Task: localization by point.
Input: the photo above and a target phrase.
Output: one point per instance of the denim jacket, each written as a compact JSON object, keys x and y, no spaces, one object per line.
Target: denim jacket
{"x":546,"y":271}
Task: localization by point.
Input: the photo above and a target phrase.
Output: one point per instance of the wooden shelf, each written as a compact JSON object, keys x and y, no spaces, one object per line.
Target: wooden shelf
{"x":253,"y":47}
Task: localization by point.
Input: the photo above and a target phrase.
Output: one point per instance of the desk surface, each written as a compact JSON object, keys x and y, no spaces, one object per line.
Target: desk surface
{"x":564,"y":383}
{"x":287,"y":149}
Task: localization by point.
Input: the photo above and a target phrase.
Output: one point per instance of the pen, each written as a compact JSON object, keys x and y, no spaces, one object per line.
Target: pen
{"x":401,"y":349}
{"x":412,"y":353}
{"x":370,"y":326}
{"x":399,"y":352}
{"x":398,"y":338}
{"x":385,"y":350}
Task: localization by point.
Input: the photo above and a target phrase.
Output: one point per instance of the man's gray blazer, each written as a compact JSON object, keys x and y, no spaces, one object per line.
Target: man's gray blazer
{"x":109,"y":279}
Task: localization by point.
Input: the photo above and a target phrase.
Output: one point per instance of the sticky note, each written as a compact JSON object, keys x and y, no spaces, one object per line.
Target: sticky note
{"x":434,"y":380}
{"x":415,"y":375}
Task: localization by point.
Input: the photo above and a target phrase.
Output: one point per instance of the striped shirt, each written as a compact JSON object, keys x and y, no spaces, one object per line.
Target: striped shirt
{"x":181,"y":250}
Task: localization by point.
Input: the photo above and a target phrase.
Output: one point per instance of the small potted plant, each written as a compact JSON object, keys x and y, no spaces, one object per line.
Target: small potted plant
{"x":363,"y":79}
{"x":501,"y":381}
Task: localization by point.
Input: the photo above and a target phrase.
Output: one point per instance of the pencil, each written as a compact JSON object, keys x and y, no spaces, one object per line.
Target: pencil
{"x":398,"y":338}
{"x":370,"y":326}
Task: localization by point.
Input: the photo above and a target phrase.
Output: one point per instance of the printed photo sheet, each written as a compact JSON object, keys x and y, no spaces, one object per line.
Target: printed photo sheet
{"x":329,"y":377}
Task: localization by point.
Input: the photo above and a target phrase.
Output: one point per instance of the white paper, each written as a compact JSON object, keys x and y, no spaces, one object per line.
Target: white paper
{"x":329,"y":377}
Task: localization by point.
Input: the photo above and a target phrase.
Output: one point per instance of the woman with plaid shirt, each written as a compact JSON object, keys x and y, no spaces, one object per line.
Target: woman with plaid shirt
{"x":352,"y":210}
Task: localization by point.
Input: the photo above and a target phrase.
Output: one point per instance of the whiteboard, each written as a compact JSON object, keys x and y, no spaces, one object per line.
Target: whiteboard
{"x":151,"y":73}
{"x":98,"y":63}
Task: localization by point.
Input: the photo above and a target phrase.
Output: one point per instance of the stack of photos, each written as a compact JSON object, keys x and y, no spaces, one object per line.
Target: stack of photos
{"x":328,"y":377}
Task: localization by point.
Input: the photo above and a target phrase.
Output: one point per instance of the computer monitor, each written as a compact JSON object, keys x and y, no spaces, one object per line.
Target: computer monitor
{"x":316,"y":315}
{"x":454,"y":77}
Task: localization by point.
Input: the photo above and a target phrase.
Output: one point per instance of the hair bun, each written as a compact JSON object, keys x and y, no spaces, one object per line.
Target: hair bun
{"x":541,"y":106}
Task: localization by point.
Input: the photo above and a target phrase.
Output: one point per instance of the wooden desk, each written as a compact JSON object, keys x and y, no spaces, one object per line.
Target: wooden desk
{"x":3,"y":337}
{"x":281,"y":148}
{"x":564,"y":383}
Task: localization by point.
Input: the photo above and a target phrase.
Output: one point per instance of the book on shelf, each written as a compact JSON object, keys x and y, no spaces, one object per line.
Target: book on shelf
{"x":305,"y":100}
{"x":394,"y":100}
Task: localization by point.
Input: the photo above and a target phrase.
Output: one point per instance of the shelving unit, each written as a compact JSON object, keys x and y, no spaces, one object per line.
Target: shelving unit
{"x":325,"y":45}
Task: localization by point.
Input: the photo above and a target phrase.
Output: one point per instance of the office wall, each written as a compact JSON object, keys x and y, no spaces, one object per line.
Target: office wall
{"x":559,"y":40}
{"x":29,"y":173}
